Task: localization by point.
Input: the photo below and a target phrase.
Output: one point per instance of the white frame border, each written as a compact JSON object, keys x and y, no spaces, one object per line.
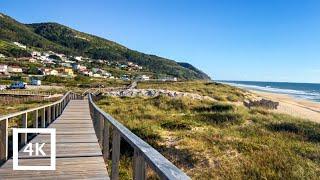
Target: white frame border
{"x":50,"y":131}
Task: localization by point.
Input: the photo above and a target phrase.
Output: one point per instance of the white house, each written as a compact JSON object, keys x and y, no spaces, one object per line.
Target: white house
{"x":79,"y":67}
{"x":3,"y":68}
{"x":143,"y":78}
{"x":86,"y":73}
{"x":36,"y":82}
{"x":125,"y":78}
{"x":20,"y":45}
{"x":60,"y":55}
{"x":54,"y":72}
{"x":106,"y":74}
{"x":14,"y":69}
{"x":2,"y":56}
{"x":35,"y":54}
{"x":79,"y":58}
{"x":32,"y":60}
{"x":169,"y":79}
{"x":97,"y":75}
{"x":47,"y":71}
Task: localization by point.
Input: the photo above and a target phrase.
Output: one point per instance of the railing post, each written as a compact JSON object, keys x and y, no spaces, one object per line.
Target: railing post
{"x":60,"y":107}
{"x":24,"y":136}
{"x":3,"y":141}
{"x":101,"y":127}
{"x":106,"y":136}
{"x":48,"y":120}
{"x":53,"y":113}
{"x":63,"y":104}
{"x":95,"y":124}
{"x":139,"y":166}
{"x":115,"y":154}
{"x":43,"y":118}
{"x":36,"y":123}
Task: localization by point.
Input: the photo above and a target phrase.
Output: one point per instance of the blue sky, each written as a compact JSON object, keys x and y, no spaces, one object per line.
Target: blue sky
{"x":264,"y":40}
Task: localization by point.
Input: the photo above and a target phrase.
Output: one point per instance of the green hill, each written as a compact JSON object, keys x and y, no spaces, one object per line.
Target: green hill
{"x":62,"y":39}
{"x":11,"y":50}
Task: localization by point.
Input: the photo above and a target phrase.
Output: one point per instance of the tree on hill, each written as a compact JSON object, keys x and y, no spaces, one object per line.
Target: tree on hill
{"x":55,"y":57}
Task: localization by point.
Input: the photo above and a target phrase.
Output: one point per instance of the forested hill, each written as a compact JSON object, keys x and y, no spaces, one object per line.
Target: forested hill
{"x":62,"y":39}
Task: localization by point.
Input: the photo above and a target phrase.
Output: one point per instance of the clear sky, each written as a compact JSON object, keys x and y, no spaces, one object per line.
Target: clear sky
{"x":266,"y":40}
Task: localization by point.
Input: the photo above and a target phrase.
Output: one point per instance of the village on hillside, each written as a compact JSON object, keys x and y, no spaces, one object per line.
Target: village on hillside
{"x":48,"y":63}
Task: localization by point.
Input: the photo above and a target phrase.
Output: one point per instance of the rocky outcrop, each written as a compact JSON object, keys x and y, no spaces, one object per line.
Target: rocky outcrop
{"x":156,"y":92}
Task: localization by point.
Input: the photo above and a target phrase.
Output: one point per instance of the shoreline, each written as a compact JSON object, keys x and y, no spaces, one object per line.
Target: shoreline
{"x":296,"y":107}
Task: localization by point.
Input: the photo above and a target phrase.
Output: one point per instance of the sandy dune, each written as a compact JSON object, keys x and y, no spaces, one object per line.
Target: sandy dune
{"x":294,"y":106}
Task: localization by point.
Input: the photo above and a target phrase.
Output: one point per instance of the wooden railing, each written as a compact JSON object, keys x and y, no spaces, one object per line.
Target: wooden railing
{"x":24,"y":93}
{"x":144,"y":154}
{"x":43,"y":116}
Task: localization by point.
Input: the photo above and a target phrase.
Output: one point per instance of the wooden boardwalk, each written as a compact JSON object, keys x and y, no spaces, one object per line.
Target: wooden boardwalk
{"x":78,"y":152}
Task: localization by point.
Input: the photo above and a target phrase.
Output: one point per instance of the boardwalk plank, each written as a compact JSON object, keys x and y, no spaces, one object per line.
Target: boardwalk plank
{"x":78,"y":152}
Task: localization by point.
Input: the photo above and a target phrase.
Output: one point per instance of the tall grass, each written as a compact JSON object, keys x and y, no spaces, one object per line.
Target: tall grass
{"x":222,"y":141}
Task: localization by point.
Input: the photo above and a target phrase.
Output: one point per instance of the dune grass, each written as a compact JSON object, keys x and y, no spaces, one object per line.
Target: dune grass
{"x":217,"y":140}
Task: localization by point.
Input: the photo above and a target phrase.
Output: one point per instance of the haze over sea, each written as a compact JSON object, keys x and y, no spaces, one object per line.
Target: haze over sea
{"x":308,"y":91}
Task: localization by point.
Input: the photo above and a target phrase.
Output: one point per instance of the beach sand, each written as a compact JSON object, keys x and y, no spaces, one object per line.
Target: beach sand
{"x":293,"y":106}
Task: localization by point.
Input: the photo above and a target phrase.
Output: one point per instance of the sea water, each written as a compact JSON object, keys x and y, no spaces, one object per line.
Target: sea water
{"x":308,"y":91}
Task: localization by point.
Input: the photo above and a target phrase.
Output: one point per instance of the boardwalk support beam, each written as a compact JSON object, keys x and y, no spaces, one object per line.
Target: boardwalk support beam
{"x":36,"y":116}
{"x":106,"y":136}
{"x":115,"y":154}
{"x":3,"y":141}
{"x":24,"y":136}
{"x":139,"y":166}
{"x":43,"y":118}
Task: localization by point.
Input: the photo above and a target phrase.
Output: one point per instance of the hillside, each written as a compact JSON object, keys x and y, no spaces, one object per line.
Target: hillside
{"x":62,"y":39}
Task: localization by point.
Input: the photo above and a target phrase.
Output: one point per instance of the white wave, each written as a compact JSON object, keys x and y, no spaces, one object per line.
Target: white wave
{"x":313,"y":95}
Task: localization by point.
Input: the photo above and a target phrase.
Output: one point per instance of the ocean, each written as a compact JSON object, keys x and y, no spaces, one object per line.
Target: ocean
{"x":308,"y":91}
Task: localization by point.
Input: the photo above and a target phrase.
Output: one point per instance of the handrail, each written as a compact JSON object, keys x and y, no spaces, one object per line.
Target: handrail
{"x":143,"y":152}
{"x":24,"y":93}
{"x":46,"y":114}
{"x":37,"y":108}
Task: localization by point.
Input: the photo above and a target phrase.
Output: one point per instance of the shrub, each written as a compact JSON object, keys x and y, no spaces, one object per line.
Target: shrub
{"x":233,"y":98}
{"x":167,"y":103}
{"x":309,"y":132}
{"x":54,"y":79}
{"x":175,"y":125}
{"x":215,"y":108}
{"x":257,"y":110}
{"x":222,"y":117}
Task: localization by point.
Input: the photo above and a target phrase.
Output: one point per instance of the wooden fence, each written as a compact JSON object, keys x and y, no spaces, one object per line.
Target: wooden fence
{"x":144,"y":154}
{"x":43,"y":116}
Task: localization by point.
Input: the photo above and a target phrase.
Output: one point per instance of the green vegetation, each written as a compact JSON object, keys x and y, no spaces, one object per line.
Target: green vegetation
{"x":55,"y":57}
{"x":221,"y":139}
{"x":11,"y":50}
{"x":81,"y":81}
{"x":16,"y":106}
{"x":62,"y":39}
